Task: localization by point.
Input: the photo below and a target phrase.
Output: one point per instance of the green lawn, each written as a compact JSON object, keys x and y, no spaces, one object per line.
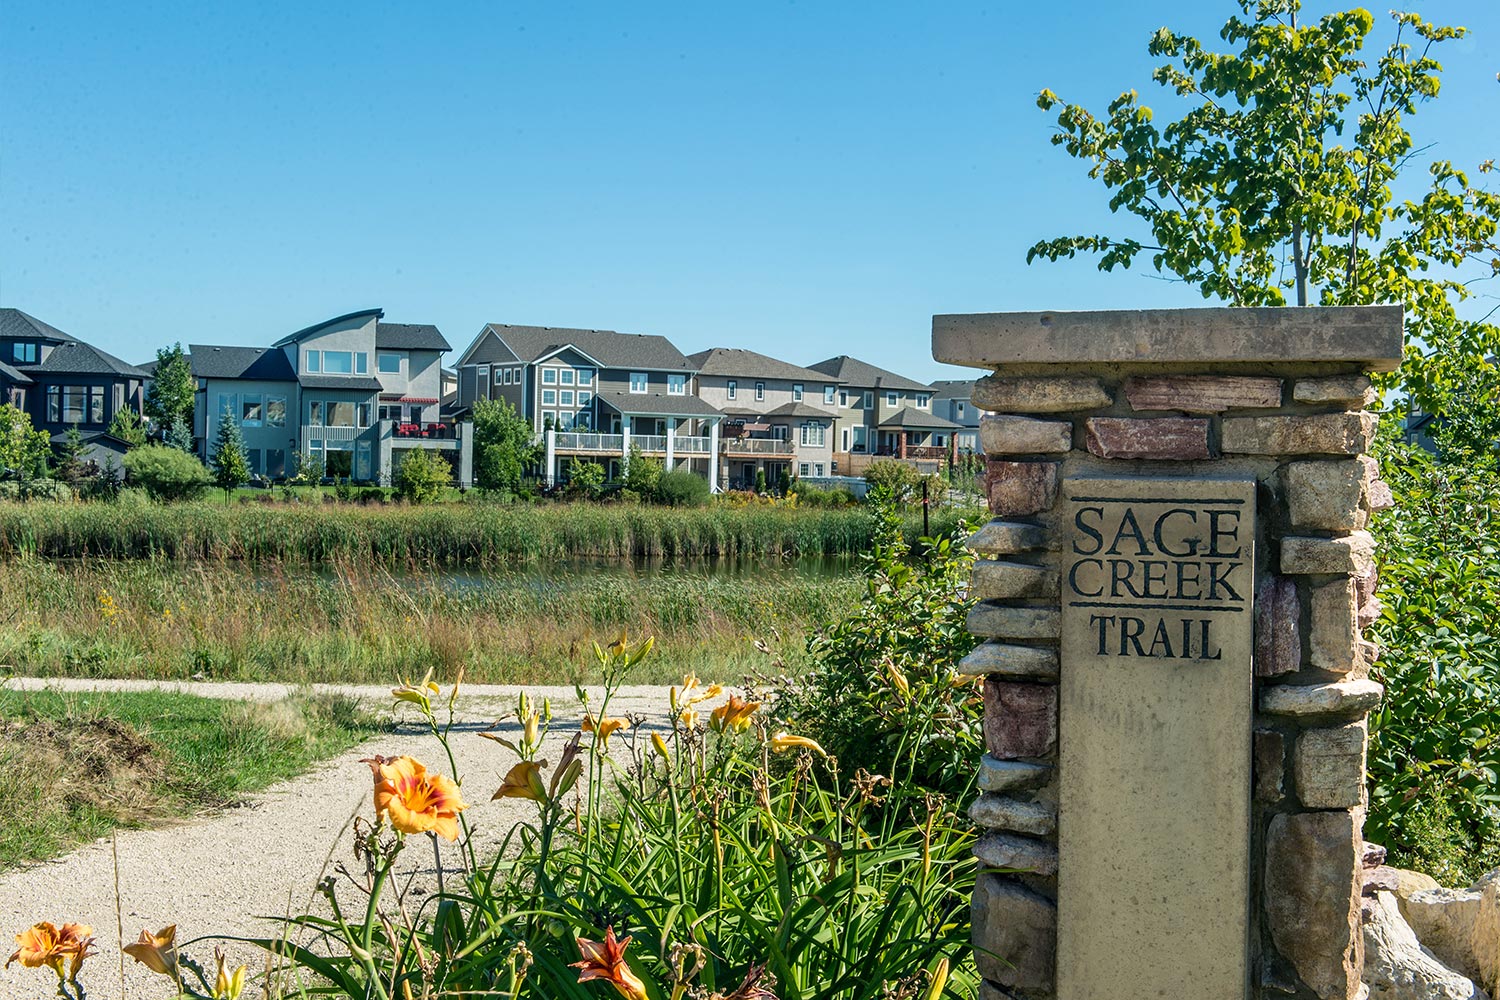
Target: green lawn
{"x":73,"y":767}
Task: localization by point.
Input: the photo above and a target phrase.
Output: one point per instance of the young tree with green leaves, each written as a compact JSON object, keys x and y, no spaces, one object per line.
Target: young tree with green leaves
{"x":127,"y":426}
{"x":230,"y":467}
{"x":1280,"y":183}
{"x":23,"y":449}
{"x":504,"y":446}
{"x":169,"y":396}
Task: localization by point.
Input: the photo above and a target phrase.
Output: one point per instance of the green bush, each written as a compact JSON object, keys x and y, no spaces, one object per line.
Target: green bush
{"x":585,"y":479}
{"x":680,"y":488}
{"x":816,"y":496}
{"x":422,"y":476}
{"x":166,"y":473}
{"x":642,"y":474}
{"x":897,"y":478}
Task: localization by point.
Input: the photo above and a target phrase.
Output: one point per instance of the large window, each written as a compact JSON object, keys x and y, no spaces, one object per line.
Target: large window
{"x":567,"y":376}
{"x":229,"y":405}
{"x":584,"y":397}
{"x":315,"y":412}
{"x":338,"y":362}
{"x":24,"y":351}
{"x":275,"y":463}
{"x":388,"y":364}
{"x":676,"y":385}
{"x":549,"y":397}
{"x":340,"y":414}
{"x":566,"y":397}
{"x":812,"y":434}
{"x":252,"y":410}
{"x":276,"y":411}
{"x":549,"y":376}
{"x":585,"y":376}
{"x":638,"y":382}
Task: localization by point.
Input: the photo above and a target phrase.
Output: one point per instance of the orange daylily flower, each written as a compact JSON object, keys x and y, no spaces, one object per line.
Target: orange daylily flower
{"x":734,"y":714}
{"x":605,"y":727}
{"x":45,"y":944}
{"x":524,"y":781}
{"x":606,"y":960}
{"x":157,"y":952}
{"x":413,"y":800}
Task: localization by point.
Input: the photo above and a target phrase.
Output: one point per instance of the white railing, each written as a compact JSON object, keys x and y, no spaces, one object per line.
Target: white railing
{"x":756,"y":446}
{"x":576,"y":441}
{"x":691,"y":446}
{"x":315,"y":431}
{"x":649,"y":442}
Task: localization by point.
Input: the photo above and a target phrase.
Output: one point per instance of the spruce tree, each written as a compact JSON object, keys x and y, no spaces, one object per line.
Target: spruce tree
{"x":230,"y":467}
{"x":180,"y":435}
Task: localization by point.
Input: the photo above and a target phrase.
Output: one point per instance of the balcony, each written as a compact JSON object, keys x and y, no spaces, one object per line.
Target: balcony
{"x":420,"y":434}
{"x":614,"y":444}
{"x":319,"y":432}
{"x":756,"y":446}
{"x":589,"y":443}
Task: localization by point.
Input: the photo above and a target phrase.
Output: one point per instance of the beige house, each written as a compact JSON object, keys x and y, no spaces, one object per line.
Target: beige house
{"x":882,"y":414}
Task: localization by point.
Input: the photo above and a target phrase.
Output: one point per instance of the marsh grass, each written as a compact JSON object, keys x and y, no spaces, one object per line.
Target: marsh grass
{"x":157,"y":618}
{"x":77,"y":766}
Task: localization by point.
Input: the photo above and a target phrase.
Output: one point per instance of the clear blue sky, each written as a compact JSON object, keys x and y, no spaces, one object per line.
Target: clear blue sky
{"x":803,"y":179}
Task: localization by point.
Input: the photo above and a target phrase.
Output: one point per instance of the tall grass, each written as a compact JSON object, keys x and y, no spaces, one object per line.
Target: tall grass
{"x":465,"y":534}
{"x":280,"y":621}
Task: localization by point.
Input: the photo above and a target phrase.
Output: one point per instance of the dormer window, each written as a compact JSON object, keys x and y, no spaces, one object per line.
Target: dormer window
{"x":25,"y":352}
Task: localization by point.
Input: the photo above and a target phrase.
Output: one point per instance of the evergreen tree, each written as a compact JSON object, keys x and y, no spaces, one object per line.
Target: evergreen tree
{"x":127,"y":427}
{"x":230,"y":467}
{"x":169,"y":397}
{"x":180,"y":434}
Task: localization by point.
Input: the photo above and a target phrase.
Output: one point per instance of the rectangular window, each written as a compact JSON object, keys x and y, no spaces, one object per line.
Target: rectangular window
{"x":843,"y":397}
{"x":566,"y":397}
{"x":828,"y":395}
{"x":229,"y":403}
{"x":565,"y":420}
{"x":388,"y":364}
{"x":585,"y":376}
{"x":517,"y":378}
{"x":567,"y":376}
{"x":315,"y":412}
{"x":922,"y":400}
{"x":506,"y":372}
{"x":802,"y":469}
{"x":276,"y":411}
{"x":362,"y":461}
{"x":760,"y":392}
{"x":846,"y":439}
{"x":252,"y":455}
{"x":364,"y":414}
{"x":252,"y":410}
{"x":869,"y":400}
{"x":24,"y":352}
{"x":340,"y":414}
{"x":818,"y":469}
{"x":960,"y":407}
{"x":338,"y":363}
{"x":812,"y":434}
{"x":96,"y":404}
{"x":362,"y":363}
{"x":584,"y":397}
{"x":638,"y":382}
{"x":549,"y":376}
{"x":890,"y":399}
{"x":484,"y":375}
{"x":796,"y":392}
{"x":54,"y":404}
{"x":314,"y":361}
{"x":676,"y":385}
{"x":276,"y":463}
{"x":730,"y":387}
{"x":549,"y":397}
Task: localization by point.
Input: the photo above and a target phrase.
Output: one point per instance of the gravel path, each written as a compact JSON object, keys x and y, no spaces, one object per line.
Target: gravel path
{"x":225,"y":873}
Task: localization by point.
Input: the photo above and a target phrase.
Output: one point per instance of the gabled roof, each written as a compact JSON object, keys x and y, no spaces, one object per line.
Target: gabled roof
{"x":357,"y":314}
{"x":638,"y":351}
{"x":737,"y":362}
{"x":861,"y":374}
{"x":410,"y":337}
{"x":657,"y":404}
{"x":799,"y":410}
{"x":24,"y":326}
{"x":953,"y":388}
{"x":12,"y":375}
{"x":362,"y":383}
{"x":78,"y":358}
{"x":910,"y":416}
{"x":266,"y":363}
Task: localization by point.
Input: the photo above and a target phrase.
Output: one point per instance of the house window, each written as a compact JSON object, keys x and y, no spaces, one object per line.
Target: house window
{"x":567,"y":376}
{"x":275,"y":463}
{"x":484,"y":375}
{"x":24,"y":351}
{"x":566,"y":397}
{"x":796,"y":392}
{"x":505,"y":372}
{"x":638,"y":382}
{"x":315,"y":412}
{"x":549,"y":376}
{"x":676,"y":385}
{"x":890,"y":399}
{"x":314,"y":361}
{"x":549,"y":397}
{"x":276,"y":411}
{"x":730,"y":387}
{"x":812,"y":434}
{"x":338,"y":362}
{"x":779,"y":432}
{"x":869,"y":400}
{"x":585,"y":376}
{"x":565,"y":420}
{"x":760,"y":392}
{"x":388,"y":364}
{"x":517,"y":378}
{"x":362,"y":363}
{"x":846,"y":440}
{"x":818,"y":469}
{"x":252,"y":410}
{"x":340,"y":414}
{"x":252,"y":456}
{"x":940,"y":440}
{"x":584,"y":420}
{"x":828,"y":395}
{"x":960,"y":408}
{"x":922,"y":400}
{"x":362,"y":461}
{"x":803,"y":469}
{"x":584,"y":397}
{"x":364,"y":416}
{"x":54,"y":404}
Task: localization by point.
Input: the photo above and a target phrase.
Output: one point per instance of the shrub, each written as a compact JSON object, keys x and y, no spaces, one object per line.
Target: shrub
{"x":371,"y":494}
{"x":643,"y":474}
{"x":166,"y":473}
{"x":422,"y":475}
{"x":585,"y":479}
{"x":816,"y":496}
{"x":680,"y":488}
{"x":897,"y":478}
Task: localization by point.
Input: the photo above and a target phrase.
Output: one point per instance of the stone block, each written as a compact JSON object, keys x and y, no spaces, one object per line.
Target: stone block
{"x":1462,"y":927}
{"x":1333,"y":629}
{"x":1017,"y":489}
{"x":1326,"y":496}
{"x":1328,"y":766}
{"x":1351,"y":554}
{"x":1353,"y":391}
{"x":1000,"y":621}
{"x":1318,"y":434}
{"x":1000,"y":538}
{"x":1311,"y":896}
{"x":1381,"y":878}
{"x":1016,"y":854}
{"x":1012,"y":775}
{"x":998,"y":659}
{"x":1397,"y":966}
{"x":1020,"y":720}
{"x":997,"y":580}
{"x":1278,"y":628}
{"x":1365,"y":584}
{"x":1060,"y":394}
{"x":1164,"y":438}
{"x":1270,"y":765}
{"x":1004,"y":434}
{"x":1015,"y":934}
{"x":1379,"y":496}
{"x":1341,"y":698}
{"x":1202,"y":393}
{"x":1369,"y":612}
{"x":1001,"y":812}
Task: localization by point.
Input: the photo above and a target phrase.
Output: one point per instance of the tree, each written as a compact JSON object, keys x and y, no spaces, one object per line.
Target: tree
{"x":180,"y":434}
{"x":642,"y":474}
{"x":1280,"y":179}
{"x":585,"y":479}
{"x":504,"y":446}
{"x":23,"y":450}
{"x":166,"y":473}
{"x":230,"y":467}
{"x":127,"y":426}
{"x":422,"y":475}
{"x":169,"y":397}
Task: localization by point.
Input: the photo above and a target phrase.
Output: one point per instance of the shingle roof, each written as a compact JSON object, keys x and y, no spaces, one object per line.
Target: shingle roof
{"x":410,"y":337}
{"x":610,"y":349}
{"x":859,"y":373}
{"x":19,"y":378}
{"x":78,"y":358}
{"x":909,"y":416}
{"x":953,"y":388}
{"x":15,"y":323}
{"x":377,"y":313}
{"x":658,"y":403}
{"x":799,"y":410}
{"x":269,"y":364}
{"x":362,"y":383}
{"x":735,"y":361}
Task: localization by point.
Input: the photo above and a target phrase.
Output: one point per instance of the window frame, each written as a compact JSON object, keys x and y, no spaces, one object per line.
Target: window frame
{"x":312,"y":362}
{"x":549,"y":376}
{"x":382,"y":356}
{"x":731,"y":386}
{"x":796,"y":392}
{"x":760,"y":392}
{"x":340,"y":355}
{"x":645,"y":381}
{"x":892,"y":398}
{"x":276,"y":421}
{"x":257,"y":400}
{"x":676,"y":385}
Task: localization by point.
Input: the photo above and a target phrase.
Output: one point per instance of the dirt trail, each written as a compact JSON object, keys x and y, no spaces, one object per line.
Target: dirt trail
{"x":227,"y":872}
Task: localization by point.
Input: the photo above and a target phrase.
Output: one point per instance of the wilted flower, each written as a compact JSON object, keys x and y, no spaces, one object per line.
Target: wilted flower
{"x":413,"y":800}
{"x":734,"y":714}
{"x":605,"y":727}
{"x":784,"y":741}
{"x":157,"y":952}
{"x":228,"y":985}
{"x":524,"y":781}
{"x":420,"y":695}
{"x":606,"y":960}
{"x":755,"y":986}
{"x":45,"y":944}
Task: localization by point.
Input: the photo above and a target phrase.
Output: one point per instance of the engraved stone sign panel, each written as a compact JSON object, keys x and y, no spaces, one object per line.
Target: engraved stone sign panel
{"x":1155,"y":712}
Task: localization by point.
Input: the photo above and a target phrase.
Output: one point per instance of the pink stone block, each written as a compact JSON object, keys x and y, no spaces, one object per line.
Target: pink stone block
{"x":1168,"y":438}
{"x":1020,"y":720}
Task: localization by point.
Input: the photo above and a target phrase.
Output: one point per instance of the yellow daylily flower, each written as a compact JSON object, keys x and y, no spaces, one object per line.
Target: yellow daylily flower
{"x":524,"y":781}
{"x":45,"y":944}
{"x":228,"y":985}
{"x":420,"y":695}
{"x":604,"y":727}
{"x":413,"y":800}
{"x":689,"y":717}
{"x":157,"y":952}
{"x":661,"y":745}
{"x":733,"y":715}
{"x":783,"y":742}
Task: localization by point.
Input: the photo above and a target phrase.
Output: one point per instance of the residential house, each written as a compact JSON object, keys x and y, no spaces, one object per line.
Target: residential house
{"x":351,"y":394}
{"x":951,"y":399}
{"x":595,"y":394}
{"x":64,"y":383}
{"x":778,"y":417}
{"x":882,"y":414}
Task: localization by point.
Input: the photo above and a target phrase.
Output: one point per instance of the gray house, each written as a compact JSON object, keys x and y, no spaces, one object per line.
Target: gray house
{"x":882,"y":414}
{"x":951,"y":400}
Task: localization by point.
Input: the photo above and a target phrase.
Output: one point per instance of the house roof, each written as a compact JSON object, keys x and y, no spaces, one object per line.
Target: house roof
{"x":799,"y":410}
{"x":15,"y":323}
{"x":362,"y":383}
{"x":737,"y":362}
{"x":357,"y":314}
{"x":860,"y":373}
{"x":77,"y":358}
{"x":410,"y":337}
{"x":269,"y":364}
{"x":19,"y":378}
{"x":639,"y":351}
{"x":953,"y":388}
{"x":658,"y":404}
{"x":910,"y":416}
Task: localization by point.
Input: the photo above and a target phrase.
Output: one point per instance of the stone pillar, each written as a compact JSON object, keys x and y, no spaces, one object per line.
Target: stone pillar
{"x":713,"y":456}
{"x":671,"y":442}
{"x":624,"y":443}
{"x":1171,"y":596}
{"x":551,"y":479}
{"x":465,"y":453}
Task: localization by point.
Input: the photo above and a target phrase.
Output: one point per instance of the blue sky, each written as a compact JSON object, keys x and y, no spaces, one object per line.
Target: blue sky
{"x":802,"y":179}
